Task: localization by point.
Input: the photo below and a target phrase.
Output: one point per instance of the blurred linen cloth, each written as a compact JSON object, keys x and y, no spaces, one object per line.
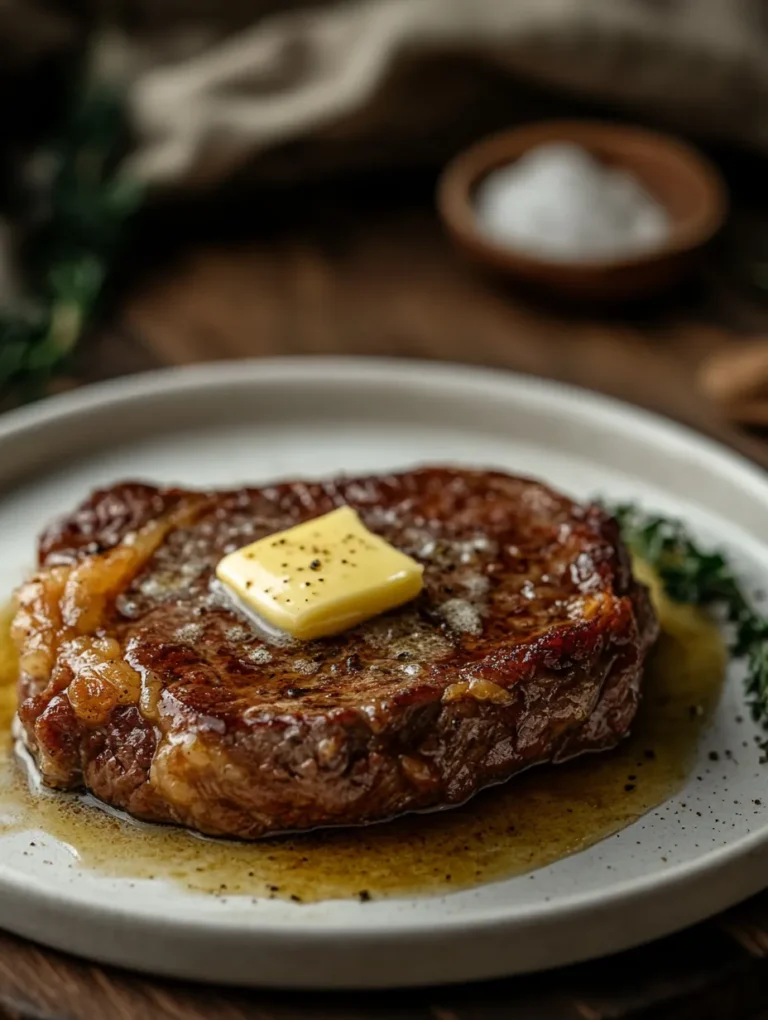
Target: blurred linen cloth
{"x":217,"y":86}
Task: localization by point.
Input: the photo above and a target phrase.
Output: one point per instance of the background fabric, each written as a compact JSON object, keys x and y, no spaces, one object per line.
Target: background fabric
{"x":215,"y":87}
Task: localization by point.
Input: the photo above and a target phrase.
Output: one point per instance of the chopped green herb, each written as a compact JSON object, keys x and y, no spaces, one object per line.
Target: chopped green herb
{"x":702,"y":577}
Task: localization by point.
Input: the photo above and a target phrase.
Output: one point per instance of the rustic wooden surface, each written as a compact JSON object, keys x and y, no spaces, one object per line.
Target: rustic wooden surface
{"x":364,"y":269}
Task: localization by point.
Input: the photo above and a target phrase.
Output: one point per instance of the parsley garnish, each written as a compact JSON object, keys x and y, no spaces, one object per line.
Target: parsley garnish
{"x":703,"y":578}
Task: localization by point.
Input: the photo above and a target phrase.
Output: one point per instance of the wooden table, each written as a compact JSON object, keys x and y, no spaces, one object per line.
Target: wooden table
{"x":362,"y":268}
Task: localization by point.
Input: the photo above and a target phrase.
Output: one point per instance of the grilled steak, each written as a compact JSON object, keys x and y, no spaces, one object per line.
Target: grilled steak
{"x":140,"y":681}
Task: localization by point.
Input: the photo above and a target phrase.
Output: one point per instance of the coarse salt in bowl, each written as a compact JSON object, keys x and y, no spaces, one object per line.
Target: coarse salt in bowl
{"x":558,"y":202}
{"x":586,"y":210}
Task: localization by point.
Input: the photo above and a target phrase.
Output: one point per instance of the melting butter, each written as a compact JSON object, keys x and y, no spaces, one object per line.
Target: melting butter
{"x":533,"y":820}
{"x":321,"y":577}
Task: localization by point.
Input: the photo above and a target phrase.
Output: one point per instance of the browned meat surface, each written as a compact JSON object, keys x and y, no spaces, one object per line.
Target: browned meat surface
{"x":140,"y":681}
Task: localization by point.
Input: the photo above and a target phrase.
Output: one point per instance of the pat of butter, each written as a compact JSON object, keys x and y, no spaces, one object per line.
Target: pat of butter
{"x":321,"y":577}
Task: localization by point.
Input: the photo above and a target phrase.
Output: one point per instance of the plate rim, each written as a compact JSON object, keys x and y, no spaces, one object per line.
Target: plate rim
{"x":255,"y":372}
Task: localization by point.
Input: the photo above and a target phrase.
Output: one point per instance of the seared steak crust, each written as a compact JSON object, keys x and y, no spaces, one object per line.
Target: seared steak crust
{"x":140,"y":680}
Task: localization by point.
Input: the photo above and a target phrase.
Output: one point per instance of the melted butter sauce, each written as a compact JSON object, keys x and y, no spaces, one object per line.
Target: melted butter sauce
{"x":535,"y":819}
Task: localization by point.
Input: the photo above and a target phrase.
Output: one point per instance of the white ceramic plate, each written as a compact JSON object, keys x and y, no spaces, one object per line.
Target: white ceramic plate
{"x":255,"y":421}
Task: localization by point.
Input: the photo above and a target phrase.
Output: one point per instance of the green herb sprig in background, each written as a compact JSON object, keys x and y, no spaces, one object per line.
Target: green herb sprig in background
{"x":703,"y":578}
{"x":75,"y":211}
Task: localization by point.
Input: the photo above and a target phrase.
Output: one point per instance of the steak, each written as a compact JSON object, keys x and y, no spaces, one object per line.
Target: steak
{"x":143,"y":683}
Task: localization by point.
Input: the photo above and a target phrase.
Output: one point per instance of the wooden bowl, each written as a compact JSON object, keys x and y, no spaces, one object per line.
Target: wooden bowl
{"x":678,"y":176}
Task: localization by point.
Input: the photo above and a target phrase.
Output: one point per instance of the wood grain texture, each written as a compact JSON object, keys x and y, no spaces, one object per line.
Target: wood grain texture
{"x":336,"y":272}
{"x":363,"y":269}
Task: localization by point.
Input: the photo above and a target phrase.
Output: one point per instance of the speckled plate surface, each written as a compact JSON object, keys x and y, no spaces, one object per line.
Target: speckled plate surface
{"x":252,"y":422}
